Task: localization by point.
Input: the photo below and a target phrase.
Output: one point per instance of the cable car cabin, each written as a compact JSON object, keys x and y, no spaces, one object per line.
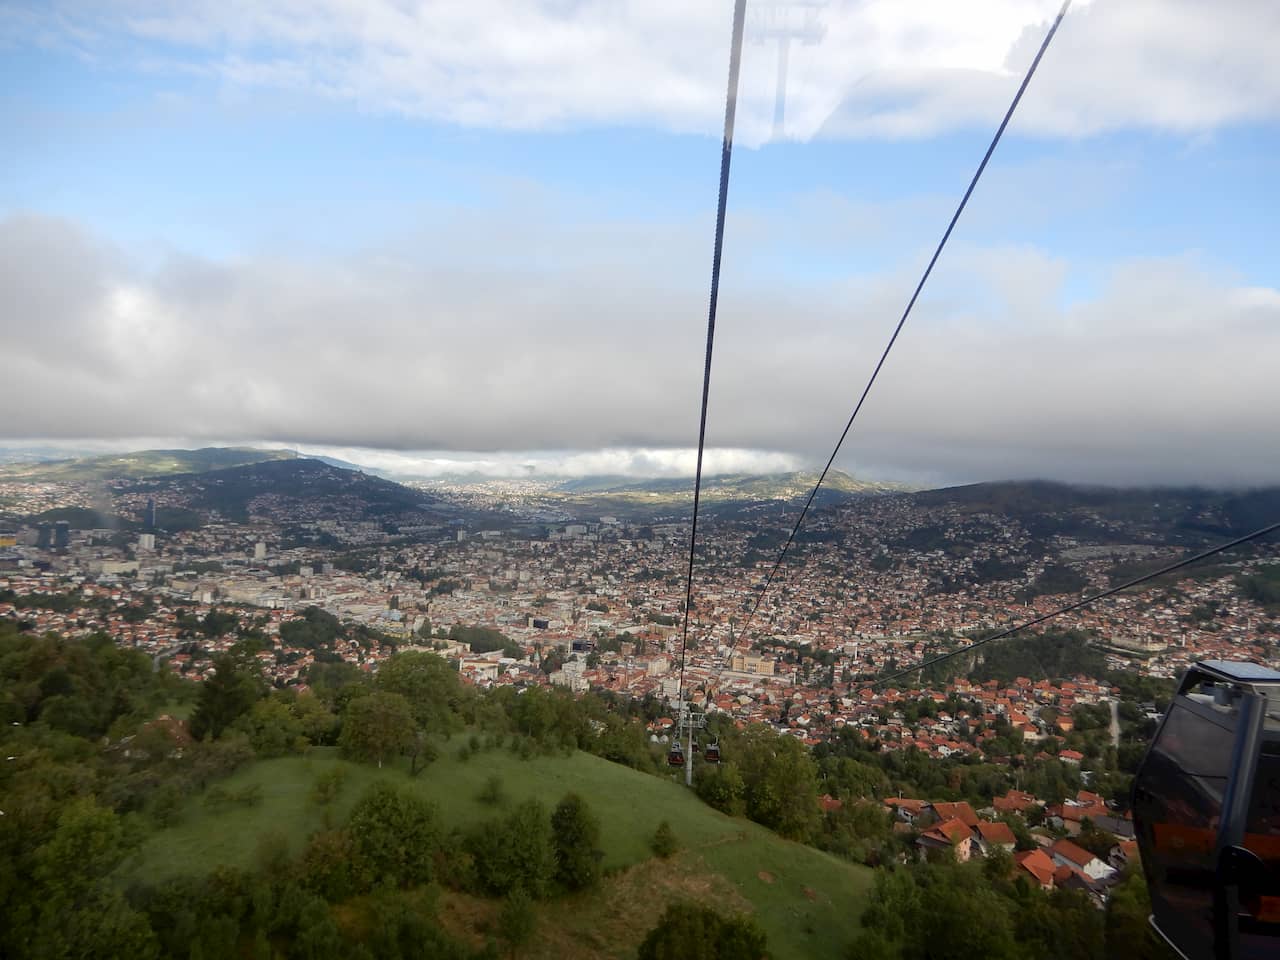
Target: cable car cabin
{"x":1206,"y":808}
{"x":676,"y":757}
{"x":712,"y":753}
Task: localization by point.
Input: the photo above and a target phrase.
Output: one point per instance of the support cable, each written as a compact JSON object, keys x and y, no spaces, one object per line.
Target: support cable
{"x":726,"y":154}
{"x":1026,"y":80}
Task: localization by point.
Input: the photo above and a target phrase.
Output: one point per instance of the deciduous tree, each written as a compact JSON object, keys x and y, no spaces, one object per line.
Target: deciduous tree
{"x":516,"y":852}
{"x":395,"y":835}
{"x":226,"y":696}
{"x":430,"y":686}
{"x":576,"y":834}
{"x":377,"y":726}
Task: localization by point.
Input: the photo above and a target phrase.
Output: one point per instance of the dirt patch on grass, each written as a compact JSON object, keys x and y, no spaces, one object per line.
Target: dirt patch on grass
{"x":355,"y":917}
{"x":811,"y":893}
{"x":608,"y":922}
{"x":611,"y":921}
{"x":470,"y":919}
{"x":766,"y":876}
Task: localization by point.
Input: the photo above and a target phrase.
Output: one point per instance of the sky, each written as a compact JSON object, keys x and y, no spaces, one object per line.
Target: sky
{"x":476,"y":236}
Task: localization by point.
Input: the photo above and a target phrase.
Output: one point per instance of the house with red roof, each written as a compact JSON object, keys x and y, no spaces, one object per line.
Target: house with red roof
{"x":956,"y":811}
{"x":1068,"y":854}
{"x":992,"y":835}
{"x":1071,"y":816}
{"x":1037,"y":865}
{"x":951,"y":835}
{"x":1015,"y":801}
{"x":1066,"y":877}
{"x":906,"y":809}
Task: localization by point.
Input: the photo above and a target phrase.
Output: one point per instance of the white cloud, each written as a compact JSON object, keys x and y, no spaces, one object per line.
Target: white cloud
{"x":613,"y":461}
{"x":1166,"y":374}
{"x":1175,"y":65}
{"x":882,"y":68}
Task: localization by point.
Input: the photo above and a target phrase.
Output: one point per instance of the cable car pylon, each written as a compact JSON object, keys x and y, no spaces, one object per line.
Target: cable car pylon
{"x":683,"y":744}
{"x":688,"y":753}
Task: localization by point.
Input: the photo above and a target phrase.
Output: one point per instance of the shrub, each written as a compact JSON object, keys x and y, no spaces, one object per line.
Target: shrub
{"x":664,"y":842}
{"x":492,"y":793}
{"x":328,"y":786}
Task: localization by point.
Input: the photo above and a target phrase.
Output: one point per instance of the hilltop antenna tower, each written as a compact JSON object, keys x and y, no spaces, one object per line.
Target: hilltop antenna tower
{"x":784,"y":21}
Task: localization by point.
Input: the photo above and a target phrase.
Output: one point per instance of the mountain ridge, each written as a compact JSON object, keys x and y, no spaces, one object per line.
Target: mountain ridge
{"x":232,"y":491}
{"x":763,"y":485}
{"x":142,"y":463}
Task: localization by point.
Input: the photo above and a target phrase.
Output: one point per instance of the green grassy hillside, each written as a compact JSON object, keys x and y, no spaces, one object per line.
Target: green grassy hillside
{"x":807,"y":901}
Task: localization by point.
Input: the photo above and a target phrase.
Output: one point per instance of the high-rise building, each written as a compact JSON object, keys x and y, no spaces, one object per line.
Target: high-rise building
{"x":44,"y":540}
{"x":146,"y":541}
{"x":259,"y":551}
{"x":151,"y":513}
{"x":61,"y":535}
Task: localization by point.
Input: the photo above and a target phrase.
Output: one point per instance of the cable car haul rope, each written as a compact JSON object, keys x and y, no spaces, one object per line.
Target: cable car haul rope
{"x":684,"y":718}
{"x":1206,"y":797}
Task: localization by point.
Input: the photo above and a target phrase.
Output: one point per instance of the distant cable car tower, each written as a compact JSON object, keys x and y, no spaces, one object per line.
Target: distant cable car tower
{"x":784,"y":21}
{"x":688,"y":721}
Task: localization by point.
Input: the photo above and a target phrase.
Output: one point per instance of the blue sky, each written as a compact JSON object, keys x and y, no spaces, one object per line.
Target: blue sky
{"x":515,"y":207}
{"x":151,"y":160}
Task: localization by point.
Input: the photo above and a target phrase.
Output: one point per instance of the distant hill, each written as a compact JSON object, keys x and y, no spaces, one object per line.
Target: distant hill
{"x":348,"y":465}
{"x":143,"y":463}
{"x":1175,"y":514}
{"x":667,"y":497}
{"x":739,"y":486}
{"x":297,"y":487}
{"x":41,"y":454}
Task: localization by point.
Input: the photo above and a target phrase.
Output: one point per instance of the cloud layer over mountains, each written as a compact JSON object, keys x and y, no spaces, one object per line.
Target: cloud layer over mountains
{"x":459,"y":342}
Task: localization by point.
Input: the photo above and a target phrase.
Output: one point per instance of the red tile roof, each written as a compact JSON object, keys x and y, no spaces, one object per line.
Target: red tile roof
{"x":1014,"y":800}
{"x":1038,"y":864}
{"x":957,"y":811}
{"x":948,"y":831}
{"x":1071,"y":851}
{"x":905,"y":803}
{"x":998,"y":833}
